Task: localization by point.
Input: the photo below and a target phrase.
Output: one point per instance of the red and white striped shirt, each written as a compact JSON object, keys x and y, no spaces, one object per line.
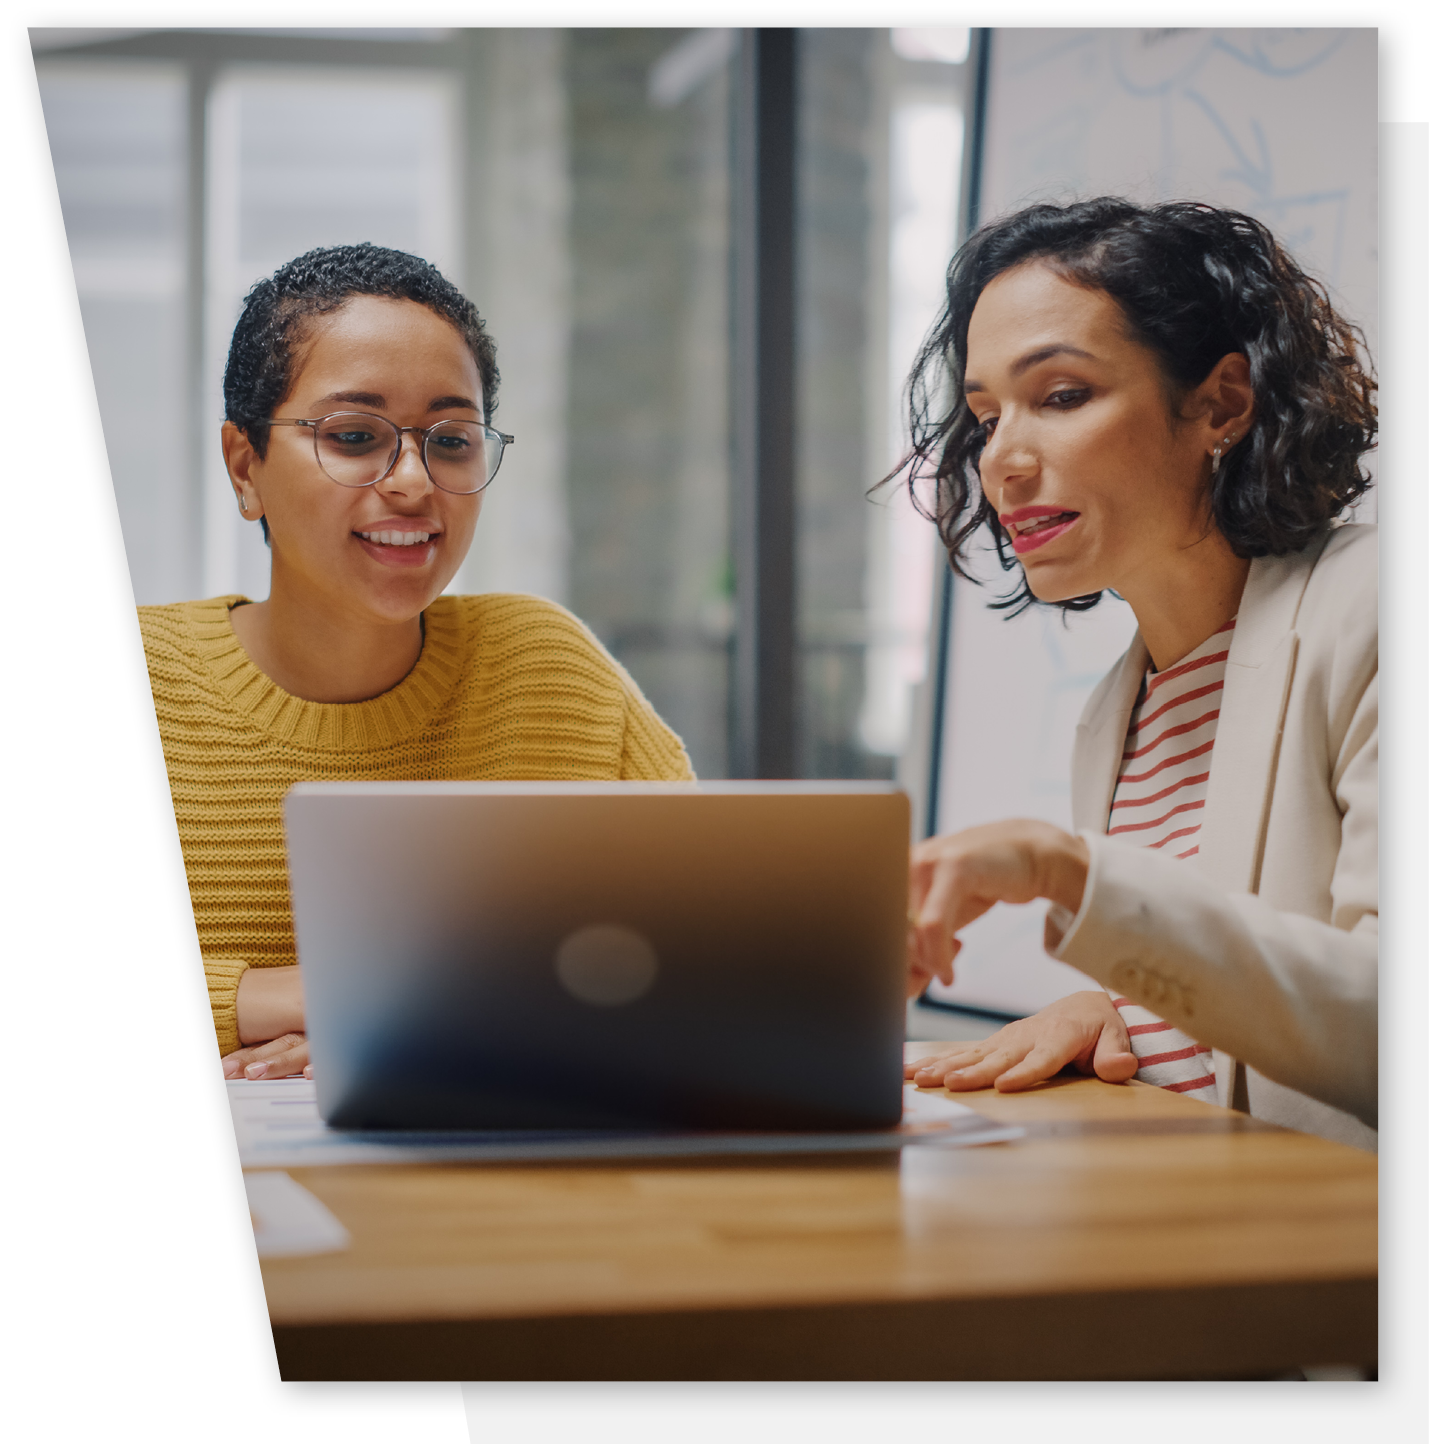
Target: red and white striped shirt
{"x":1160,"y":795}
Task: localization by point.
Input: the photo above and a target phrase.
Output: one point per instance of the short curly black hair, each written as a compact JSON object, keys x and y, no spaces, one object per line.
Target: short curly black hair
{"x":1195,"y":283}
{"x":270,"y":327}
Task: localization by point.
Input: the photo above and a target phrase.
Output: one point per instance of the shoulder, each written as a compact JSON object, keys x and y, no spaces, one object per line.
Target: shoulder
{"x":1328,"y":594}
{"x":172,"y":632}
{"x":1348,"y":567}
{"x":522,"y":644}
{"x":1337,"y":630}
{"x":1339,"y":610}
{"x":499,"y":625}
{"x":533,"y":653}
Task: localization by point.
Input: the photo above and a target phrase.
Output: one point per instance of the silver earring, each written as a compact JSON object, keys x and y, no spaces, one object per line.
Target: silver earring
{"x":1219,"y":450}
{"x":242,"y":504}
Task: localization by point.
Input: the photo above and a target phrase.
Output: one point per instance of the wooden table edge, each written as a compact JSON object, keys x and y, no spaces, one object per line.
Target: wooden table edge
{"x":1214,"y":1331}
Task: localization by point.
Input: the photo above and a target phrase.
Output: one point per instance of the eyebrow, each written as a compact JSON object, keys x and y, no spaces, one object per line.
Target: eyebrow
{"x":1035,"y":358}
{"x":371,"y":398}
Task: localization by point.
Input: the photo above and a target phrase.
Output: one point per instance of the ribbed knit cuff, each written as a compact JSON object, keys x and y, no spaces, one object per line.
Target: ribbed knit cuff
{"x":224,"y":975}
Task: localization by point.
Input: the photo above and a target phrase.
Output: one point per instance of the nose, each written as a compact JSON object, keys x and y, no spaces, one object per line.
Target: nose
{"x":1006,"y":459}
{"x":409,"y":476}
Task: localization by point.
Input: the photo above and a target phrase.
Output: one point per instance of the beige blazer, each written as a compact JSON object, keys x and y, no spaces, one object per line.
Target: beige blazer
{"x":1266,"y":945}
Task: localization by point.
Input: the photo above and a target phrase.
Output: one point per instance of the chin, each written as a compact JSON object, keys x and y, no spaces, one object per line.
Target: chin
{"x":401,"y":604}
{"x":1060,"y":589}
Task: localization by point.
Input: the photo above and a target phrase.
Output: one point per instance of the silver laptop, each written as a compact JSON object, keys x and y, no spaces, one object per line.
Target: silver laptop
{"x":602,"y":955}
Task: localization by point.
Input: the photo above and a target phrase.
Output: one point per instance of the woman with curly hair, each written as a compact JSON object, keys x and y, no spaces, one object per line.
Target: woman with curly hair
{"x":1158,"y":402}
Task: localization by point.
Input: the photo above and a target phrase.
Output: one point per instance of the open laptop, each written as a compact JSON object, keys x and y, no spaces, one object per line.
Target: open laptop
{"x":602,"y":955}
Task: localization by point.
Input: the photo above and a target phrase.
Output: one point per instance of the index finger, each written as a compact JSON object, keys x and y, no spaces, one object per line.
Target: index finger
{"x":279,"y":1058}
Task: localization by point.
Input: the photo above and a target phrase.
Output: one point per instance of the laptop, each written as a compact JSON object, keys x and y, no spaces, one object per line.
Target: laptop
{"x":534,"y":955}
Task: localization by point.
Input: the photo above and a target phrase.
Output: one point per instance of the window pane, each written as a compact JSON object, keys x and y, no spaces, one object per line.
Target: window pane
{"x":648,"y":470}
{"x":117,"y":135}
{"x":880,"y":153}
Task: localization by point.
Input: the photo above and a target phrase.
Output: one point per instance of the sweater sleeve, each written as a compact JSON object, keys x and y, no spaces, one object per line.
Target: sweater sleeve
{"x":224,"y":975}
{"x":650,"y":751}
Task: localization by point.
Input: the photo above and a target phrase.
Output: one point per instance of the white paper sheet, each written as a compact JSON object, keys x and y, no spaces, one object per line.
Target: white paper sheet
{"x":288,"y":1221}
{"x":278,"y":1126}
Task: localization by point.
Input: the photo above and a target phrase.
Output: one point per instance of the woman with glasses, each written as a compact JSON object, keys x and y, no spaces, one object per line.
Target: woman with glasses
{"x":1158,"y":402}
{"x":359,"y":393}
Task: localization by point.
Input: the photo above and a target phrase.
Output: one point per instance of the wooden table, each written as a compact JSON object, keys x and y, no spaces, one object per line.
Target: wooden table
{"x":1132,"y":1234}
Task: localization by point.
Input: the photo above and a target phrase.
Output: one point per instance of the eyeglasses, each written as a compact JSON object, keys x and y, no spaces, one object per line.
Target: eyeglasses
{"x":354,"y":448}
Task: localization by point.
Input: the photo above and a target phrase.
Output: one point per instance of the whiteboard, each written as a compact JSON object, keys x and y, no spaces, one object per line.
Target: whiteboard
{"x":1278,"y":123}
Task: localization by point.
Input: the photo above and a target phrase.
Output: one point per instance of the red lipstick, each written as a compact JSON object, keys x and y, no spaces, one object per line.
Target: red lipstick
{"x":1034,"y":526}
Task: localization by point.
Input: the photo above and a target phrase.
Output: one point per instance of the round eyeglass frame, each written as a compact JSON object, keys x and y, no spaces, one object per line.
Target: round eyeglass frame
{"x":425,"y":432}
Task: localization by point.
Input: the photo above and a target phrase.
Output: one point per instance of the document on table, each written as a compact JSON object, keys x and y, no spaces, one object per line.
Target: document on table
{"x":288,"y":1221}
{"x":278,"y":1126}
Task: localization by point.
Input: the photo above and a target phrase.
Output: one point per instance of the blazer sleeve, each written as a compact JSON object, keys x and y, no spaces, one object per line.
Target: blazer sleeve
{"x":1293,"y":997}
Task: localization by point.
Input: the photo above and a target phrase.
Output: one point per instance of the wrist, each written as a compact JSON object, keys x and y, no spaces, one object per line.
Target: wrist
{"x":269,"y":1003}
{"x":1065,"y":863}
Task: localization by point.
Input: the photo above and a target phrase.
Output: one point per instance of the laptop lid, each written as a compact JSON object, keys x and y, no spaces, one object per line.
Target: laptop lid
{"x":549,"y":955}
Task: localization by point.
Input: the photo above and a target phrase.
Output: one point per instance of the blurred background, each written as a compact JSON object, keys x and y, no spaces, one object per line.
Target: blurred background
{"x":585,"y":187}
{"x":577,"y":185}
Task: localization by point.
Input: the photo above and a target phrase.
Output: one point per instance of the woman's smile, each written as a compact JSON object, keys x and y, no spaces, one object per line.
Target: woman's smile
{"x":402,"y":541}
{"x":1032,"y":527}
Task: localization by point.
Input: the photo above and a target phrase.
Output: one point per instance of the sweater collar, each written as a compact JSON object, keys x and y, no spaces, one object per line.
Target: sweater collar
{"x":380,"y":721}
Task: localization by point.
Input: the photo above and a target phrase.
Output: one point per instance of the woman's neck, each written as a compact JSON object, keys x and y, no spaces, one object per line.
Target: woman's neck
{"x":312,"y":653}
{"x":1181,"y":600}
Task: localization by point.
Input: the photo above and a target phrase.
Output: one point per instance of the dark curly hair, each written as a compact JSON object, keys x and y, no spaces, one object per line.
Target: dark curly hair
{"x":270,"y":327}
{"x":1195,"y":283}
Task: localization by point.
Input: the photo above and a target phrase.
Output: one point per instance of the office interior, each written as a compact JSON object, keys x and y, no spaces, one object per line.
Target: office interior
{"x":593,"y":191}
{"x":597,"y":194}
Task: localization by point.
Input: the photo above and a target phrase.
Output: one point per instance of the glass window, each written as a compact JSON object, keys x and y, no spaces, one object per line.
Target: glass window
{"x":118,"y":136}
{"x":647,"y":432}
{"x":879,"y":172}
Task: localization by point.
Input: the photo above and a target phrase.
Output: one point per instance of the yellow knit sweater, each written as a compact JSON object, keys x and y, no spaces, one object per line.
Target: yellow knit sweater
{"x":507,"y":687}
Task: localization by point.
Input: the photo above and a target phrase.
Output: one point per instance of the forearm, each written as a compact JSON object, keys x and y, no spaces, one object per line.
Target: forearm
{"x":1065,"y":860}
{"x":269,"y":1003}
{"x":1294,"y":998}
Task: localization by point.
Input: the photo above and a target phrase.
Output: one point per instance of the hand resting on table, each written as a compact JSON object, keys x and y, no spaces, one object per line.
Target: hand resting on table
{"x":1082,"y":1030}
{"x":283,"y":1057}
{"x":270,"y":1026}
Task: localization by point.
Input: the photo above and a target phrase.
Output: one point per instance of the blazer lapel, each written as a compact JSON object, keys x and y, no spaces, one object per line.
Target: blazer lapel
{"x":1243,"y":765}
{"x":1259,"y":672}
{"x":1101,"y":739}
{"x":1260,"y":668}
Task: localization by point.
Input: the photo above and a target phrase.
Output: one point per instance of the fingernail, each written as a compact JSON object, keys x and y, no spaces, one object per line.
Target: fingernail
{"x":255,"y":1070}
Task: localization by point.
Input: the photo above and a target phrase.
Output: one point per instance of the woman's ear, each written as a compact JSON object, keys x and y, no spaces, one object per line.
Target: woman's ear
{"x":239,"y":457}
{"x":1228,"y":397}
